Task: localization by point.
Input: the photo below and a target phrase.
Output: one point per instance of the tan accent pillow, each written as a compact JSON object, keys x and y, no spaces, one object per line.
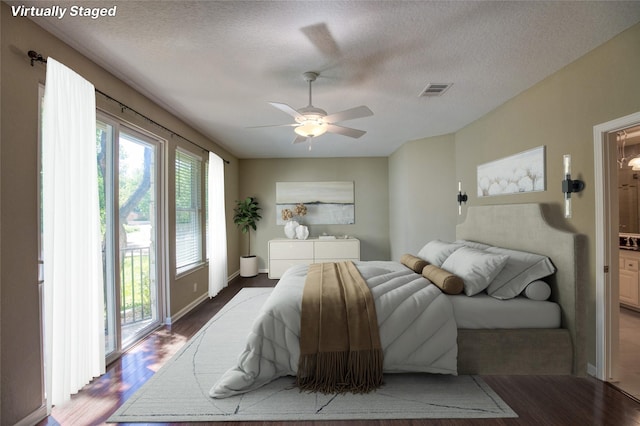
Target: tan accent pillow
{"x":413,"y":262}
{"x":446,"y":281}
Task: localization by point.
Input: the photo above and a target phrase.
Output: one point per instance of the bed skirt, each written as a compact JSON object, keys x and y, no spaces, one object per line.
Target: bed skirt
{"x":515,"y":352}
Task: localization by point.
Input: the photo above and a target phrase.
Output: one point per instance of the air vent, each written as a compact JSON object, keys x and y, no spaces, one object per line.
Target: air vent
{"x":435,"y":89}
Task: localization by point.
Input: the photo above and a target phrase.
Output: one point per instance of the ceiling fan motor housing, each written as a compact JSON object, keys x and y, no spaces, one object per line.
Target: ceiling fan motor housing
{"x":311,"y":113}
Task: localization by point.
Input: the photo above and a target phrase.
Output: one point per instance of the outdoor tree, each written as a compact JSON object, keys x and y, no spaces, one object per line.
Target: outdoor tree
{"x":133,"y":190}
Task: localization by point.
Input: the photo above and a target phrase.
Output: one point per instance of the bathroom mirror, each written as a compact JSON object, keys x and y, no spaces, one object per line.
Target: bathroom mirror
{"x":628,"y":200}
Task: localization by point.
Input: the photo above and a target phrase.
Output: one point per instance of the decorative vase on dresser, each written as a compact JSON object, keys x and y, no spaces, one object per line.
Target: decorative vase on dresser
{"x":290,"y":229}
{"x":302,"y":232}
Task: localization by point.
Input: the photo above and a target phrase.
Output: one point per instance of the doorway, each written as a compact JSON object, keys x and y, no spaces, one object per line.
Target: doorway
{"x":612,"y":335}
{"x":628,"y":158}
{"x":129,"y":170}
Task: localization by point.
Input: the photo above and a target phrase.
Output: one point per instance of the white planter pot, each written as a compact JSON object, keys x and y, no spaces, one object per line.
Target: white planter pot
{"x":248,"y":266}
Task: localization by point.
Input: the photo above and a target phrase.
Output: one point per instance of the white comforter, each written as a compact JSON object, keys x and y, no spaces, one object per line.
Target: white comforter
{"x":417,"y":328}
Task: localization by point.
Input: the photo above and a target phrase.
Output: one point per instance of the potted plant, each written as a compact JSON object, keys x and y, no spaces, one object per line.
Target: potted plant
{"x":247,"y":214}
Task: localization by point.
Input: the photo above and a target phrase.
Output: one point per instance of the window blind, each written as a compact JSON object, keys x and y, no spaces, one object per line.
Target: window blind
{"x":188,"y":211}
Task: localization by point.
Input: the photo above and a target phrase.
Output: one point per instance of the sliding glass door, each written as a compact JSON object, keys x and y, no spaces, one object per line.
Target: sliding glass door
{"x":129,"y":177}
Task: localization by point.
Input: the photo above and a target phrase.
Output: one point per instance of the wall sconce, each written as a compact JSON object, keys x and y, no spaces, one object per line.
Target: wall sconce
{"x":569,"y":186}
{"x":462,"y":198}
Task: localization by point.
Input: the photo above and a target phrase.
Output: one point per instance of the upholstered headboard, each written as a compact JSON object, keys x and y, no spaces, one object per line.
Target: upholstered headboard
{"x":523,"y":227}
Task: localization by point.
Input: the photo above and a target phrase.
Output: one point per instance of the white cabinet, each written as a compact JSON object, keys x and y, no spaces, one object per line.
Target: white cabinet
{"x":629,"y":282}
{"x":284,"y":253}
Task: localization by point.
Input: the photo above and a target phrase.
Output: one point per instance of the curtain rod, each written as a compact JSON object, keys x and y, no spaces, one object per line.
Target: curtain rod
{"x":37,"y":57}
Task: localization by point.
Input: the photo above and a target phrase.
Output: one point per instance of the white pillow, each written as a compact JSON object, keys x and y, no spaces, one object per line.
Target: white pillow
{"x":537,"y":290}
{"x":521,"y":269}
{"x":435,"y":252}
{"x":473,"y":244}
{"x":477,"y":268}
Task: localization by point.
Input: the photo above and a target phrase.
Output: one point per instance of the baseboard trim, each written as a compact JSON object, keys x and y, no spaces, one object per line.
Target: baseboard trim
{"x":35,"y":417}
{"x":184,"y":311}
{"x":592,"y":370}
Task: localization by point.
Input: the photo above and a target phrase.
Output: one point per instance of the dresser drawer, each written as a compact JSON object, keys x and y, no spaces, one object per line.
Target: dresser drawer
{"x":294,"y":249}
{"x":327,"y":251}
{"x":278,"y":267}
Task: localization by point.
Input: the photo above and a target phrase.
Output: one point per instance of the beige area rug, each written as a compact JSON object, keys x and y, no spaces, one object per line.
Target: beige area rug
{"x":178,"y":392}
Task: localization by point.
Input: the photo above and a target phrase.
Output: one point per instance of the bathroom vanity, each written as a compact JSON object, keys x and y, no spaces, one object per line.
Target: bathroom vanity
{"x":629,"y":259}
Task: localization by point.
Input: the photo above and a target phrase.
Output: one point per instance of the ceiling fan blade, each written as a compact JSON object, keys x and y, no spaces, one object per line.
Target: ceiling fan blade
{"x":300,"y":139}
{"x":345,"y":131}
{"x":320,"y":36}
{"x":273,"y":125}
{"x":349,"y":114}
{"x":286,"y":109}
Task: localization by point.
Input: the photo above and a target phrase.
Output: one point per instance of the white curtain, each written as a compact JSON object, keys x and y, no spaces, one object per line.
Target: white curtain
{"x":73,"y":280}
{"x":217,"y":244}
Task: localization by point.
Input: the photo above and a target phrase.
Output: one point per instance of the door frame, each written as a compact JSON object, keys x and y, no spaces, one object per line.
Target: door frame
{"x":606,"y":244}
{"x":162,"y":283}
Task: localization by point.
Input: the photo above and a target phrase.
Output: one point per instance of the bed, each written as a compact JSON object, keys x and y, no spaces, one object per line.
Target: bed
{"x":440,"y":333}
{"x":553,"y":351}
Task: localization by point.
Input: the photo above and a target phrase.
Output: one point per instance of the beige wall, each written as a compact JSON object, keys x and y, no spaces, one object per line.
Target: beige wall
{"x":560,"y":113}
{"x":259,"y":177}
{"x":422,"y":194}
{"x":20,"y":357}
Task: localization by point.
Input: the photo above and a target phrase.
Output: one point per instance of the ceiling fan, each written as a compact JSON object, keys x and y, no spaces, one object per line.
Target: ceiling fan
{"x":312,"y":122}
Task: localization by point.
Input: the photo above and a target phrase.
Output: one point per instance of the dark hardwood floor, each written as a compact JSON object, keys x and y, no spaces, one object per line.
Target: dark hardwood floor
{"x":538,"y":400}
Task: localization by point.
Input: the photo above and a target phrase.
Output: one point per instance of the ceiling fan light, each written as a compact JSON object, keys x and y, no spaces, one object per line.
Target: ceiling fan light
{"x":311,"y":128}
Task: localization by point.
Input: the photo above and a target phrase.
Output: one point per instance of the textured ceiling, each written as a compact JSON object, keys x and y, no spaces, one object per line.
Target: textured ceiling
{"x":217,"y":64}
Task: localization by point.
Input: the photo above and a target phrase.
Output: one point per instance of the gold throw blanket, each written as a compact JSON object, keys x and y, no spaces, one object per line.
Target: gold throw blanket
{"x":340,"y":347}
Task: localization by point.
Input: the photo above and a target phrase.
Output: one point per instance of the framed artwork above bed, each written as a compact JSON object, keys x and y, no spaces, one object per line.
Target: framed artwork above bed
{"x":521,"y":172}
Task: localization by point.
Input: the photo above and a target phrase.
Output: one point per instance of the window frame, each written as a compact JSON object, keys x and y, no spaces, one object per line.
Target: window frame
{"x":195,"y":264}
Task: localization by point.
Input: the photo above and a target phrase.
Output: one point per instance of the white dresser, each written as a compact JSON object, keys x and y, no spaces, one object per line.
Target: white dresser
{"x":284,"y":253}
